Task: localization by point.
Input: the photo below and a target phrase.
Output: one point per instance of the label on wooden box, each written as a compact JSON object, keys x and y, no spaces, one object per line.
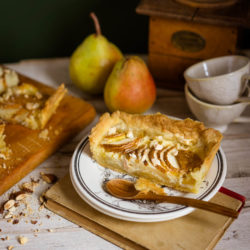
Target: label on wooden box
{"x":188,"y":41}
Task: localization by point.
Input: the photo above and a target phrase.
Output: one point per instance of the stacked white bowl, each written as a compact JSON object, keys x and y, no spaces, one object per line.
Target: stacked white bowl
{"x":217,"y":90}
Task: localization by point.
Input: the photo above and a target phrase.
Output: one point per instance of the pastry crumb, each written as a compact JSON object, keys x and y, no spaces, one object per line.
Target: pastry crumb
{"x":22,"y":240}
{"x":44,"y":134}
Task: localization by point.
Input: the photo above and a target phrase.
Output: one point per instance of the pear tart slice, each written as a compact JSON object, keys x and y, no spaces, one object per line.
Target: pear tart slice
{"x":174,"y":153}
{"x":22,"y":103}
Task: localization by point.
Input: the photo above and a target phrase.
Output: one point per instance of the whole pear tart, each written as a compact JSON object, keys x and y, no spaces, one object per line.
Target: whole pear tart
{"x":22,"y":103}
{"x":165,"y":151}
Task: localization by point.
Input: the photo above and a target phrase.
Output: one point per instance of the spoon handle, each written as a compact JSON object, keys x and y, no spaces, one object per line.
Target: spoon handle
{"x":206,"y":205}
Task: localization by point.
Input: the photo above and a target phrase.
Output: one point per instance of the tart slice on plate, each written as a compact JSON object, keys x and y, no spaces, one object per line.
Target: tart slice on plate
{"x":165,"y":151}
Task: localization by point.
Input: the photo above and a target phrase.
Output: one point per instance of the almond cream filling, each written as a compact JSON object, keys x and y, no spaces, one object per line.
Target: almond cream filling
{"x":154,"y":153}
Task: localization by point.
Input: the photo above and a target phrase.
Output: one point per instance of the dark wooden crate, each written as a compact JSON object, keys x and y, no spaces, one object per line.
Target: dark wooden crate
{"x":180,"y":36}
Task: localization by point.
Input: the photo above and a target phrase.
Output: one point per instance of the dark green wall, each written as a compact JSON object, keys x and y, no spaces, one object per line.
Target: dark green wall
{"x":53,"y":28}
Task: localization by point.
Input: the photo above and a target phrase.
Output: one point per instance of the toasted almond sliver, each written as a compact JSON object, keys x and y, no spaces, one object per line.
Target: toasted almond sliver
{"x":21,"y":196}
{"x":12,"y":209}
{"x":28,"y":187}
{"x":8,"y":215}
{"x":22,"y":240}
{"x":49,"y":178}
{"x":9,"y":204}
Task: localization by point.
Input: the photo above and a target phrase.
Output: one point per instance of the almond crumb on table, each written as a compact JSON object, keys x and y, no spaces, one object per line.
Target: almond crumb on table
{"x":22,"y":240}
{"x":49,"y":178}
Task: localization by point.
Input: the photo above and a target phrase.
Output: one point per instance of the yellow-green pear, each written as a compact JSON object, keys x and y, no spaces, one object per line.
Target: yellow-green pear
{"x":93,"y":60}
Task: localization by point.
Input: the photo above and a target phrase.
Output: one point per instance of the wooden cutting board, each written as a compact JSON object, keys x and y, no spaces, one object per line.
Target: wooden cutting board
{"x":27,"y":146}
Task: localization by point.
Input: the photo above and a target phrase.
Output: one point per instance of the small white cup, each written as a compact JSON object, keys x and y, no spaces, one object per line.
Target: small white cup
{"x":215,"y":116}
{"x":220,"y":80}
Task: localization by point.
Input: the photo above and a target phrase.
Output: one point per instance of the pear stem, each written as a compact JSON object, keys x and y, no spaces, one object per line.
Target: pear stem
{"x":96,"y":23}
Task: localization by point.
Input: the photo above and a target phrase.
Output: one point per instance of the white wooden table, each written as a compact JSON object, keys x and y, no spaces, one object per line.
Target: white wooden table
{"x":54,"y":232}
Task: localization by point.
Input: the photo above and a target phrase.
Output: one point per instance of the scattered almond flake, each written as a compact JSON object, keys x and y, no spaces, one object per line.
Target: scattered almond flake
{"x":35,"y":235}
{"x":36,"y":230}
{"x":10,"y":247}
{"x":10,"y":220}
{"x":44,"y":134}
{"x":8,"y":204}
{"x":28,"y":187}
{"x":22,"y":240}
{"x":49,"y":178}
{"x":51,"y":230}
{"x":16,"y":221}
{"x":12,"y":209}
{"x":21,"y":196}
{"x":8,"y":215}
{"x":7,"y":237}
{"x":33,"y":222}
{"x":41,"y":207}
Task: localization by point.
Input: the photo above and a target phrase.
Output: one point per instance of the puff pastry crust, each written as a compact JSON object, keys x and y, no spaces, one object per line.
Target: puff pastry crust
{"x":165,"y":151}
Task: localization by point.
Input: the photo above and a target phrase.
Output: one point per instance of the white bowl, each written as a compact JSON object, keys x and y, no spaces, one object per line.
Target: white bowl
{"x":215,"y":116}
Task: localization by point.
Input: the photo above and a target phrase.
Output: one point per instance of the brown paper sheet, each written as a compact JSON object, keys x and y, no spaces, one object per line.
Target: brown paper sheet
{"x":198,"y":230}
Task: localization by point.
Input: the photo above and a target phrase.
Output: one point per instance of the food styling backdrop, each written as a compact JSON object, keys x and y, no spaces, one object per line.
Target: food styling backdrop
{"x":42,"y":29}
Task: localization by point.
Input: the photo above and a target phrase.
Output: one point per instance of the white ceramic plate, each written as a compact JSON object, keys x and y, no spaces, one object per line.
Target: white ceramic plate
{"x":88,"y":177}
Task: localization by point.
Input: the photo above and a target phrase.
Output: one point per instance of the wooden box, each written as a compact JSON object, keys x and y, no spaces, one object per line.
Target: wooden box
{"x":180,"y":35}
